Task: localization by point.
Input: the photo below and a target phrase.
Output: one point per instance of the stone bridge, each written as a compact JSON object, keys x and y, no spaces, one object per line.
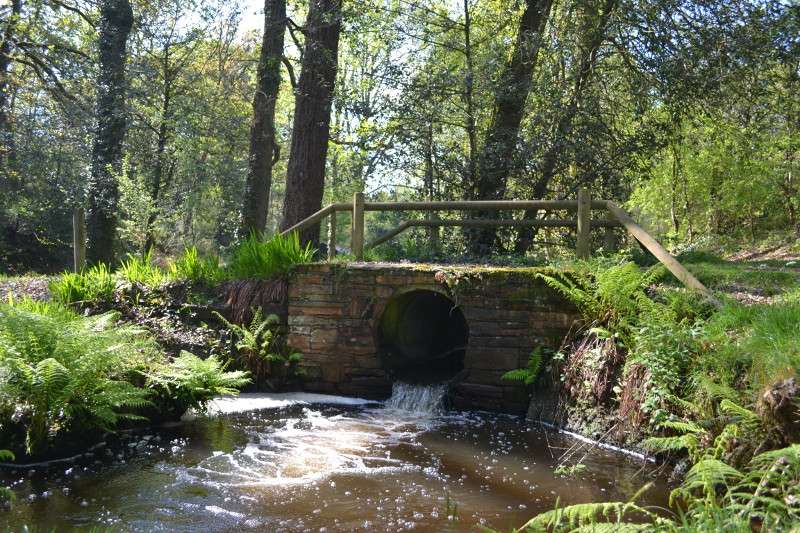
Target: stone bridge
{"x":360,"y":326}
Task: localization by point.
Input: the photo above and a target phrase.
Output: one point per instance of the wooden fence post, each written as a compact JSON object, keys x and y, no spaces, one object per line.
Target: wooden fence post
{"x":78,"y":239}
{"x":332,"y":235}
{"x":584,"y":223}
{"x":357,"y":236}
{"x":610,"y":238}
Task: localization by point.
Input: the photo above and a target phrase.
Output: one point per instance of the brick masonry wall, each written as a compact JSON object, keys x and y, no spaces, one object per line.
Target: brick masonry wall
{"x":334,"y":311}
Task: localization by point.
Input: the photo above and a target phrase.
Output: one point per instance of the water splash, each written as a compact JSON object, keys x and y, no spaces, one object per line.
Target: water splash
{"x":418,"y":399}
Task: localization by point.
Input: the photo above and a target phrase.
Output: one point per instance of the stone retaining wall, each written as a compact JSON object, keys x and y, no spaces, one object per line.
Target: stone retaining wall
{"x":334,"y":310}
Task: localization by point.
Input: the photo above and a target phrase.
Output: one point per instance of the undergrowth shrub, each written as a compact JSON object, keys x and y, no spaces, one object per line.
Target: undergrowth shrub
{"x":530,"y":373}
{"x":611,"y":296}
{"x":65,"y":377}
{"x":193,"y":267}
{"x":763,"y":494}
{"x":94,"y":284}
{"x":188,"y":381}
{"x":62,"y":373}
{"x":140,"y":269}
{"x":259,"y":258}
{"x":261,"y":349}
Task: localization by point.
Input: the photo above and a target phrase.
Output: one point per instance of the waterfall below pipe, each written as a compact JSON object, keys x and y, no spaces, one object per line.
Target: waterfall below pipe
{"x":419,"y":399}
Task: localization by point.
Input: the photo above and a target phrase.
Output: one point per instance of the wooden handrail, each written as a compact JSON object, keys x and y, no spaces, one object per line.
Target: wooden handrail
{"x":316,"y":217}
{"x":466,"y":205}
{"x":480,"y":205}
{"x":653,"y":246}
{"x":584,"y":223}
{"x":488,"y":223}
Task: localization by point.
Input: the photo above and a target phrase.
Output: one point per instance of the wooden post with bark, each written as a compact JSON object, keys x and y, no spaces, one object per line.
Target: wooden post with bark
{"x":357,"y":237}
{"x":584,"y":224}
{"x":78,"y":239}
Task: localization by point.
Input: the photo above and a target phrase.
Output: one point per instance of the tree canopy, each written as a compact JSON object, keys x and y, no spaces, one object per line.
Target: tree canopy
{"x":687,"y":111}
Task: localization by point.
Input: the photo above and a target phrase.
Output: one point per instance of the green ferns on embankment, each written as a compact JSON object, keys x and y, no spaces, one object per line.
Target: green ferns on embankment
{"x":65,"y":378}
{"x":714,"y":386}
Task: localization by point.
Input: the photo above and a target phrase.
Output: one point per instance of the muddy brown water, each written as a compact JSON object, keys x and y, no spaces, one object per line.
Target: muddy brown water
{"x":312,"y":463}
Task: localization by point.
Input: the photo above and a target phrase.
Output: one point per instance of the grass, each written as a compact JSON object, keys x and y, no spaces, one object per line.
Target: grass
{"x":753,"y":345}
{"x":193,"y":267}
{"x":716,"y":273}
{"x":140,"y":269}
{"x":94,"y":284}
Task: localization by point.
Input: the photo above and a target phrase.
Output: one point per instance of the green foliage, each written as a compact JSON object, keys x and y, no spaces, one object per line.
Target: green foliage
{"x":67,"y":376}
{"x":530,"y":373}
{"x":95,"y":284}
{"x":604,"y":516}
{"x":260,"y":349}
{"x":666,"y":349}
{"x":198,"y":269}
{"x":752,"y":347}
{"x":569,"y":470}
{"x":140,"y":269}
{"x":611,"y":295}
{"x":714,"y":496}
{"x":191,"y":382}
{"x":63,"y":373}
{"x":259,"y":258}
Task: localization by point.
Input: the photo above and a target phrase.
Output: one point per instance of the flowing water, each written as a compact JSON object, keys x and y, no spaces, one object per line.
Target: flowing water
{"x":303,"y":462}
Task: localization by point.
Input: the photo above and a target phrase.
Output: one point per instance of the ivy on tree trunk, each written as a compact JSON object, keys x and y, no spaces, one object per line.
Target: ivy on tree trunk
{"x":116,"y":20}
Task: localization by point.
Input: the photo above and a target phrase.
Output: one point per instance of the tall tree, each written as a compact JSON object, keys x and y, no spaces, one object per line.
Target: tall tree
{"x":116,"y":20}
{"x":264,"y":149}
{"x":593,"y":19}
{"x":510,"y":94}
{"x":6,"y":138}
{"x":305,"y":176}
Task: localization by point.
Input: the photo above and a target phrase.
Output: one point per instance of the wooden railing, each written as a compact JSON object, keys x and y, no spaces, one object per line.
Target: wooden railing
{"x":583,"y":223}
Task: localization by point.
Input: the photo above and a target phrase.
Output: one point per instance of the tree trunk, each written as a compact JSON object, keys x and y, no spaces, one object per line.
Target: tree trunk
{"x":594,"y":33}
{"x":305,"y":176}
{"x":6,"y":135}
{"x":511,"y":92}
{"x":264,"y":150}
{"x":469,"y":100}
{"x":157,"y":183}
{"x":116,"y":19}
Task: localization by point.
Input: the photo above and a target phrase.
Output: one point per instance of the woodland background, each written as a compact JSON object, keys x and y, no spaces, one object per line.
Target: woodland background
{"x":687,"y":111}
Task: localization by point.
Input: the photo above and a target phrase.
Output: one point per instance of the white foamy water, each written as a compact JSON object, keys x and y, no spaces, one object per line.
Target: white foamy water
{"x":276,"y":400}
{"x":420,"y":399}
{"x":314,"y":444}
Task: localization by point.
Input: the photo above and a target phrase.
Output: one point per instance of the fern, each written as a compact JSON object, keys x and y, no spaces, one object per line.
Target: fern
{"x":530,"y":373}
{"x":603,"y":516}
{"x":63,"y":373}
{"x":260,"y":348}
{"x":192,"y":382}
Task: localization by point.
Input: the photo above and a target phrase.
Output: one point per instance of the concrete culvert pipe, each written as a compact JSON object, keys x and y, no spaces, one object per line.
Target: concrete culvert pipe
{"x":422,"y":337}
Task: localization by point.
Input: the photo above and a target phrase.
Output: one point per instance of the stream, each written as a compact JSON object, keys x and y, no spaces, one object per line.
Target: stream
{"x":306,"y":462}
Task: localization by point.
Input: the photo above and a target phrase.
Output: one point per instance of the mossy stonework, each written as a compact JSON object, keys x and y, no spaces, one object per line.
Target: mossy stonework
{"x":338,"y":314}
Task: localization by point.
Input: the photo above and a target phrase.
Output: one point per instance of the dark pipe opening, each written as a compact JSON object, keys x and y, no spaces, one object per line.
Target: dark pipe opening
{"x":422,"y":337}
